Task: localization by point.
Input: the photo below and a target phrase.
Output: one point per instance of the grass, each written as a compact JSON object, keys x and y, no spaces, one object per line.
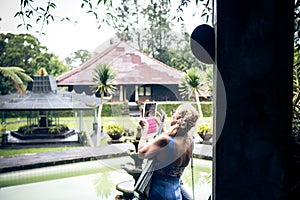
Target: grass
{"x":127,"y":122}
{"x":130,"y":123}
{"x":27,"y":151}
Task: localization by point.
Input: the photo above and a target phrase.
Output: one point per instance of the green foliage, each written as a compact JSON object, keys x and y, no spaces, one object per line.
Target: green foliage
{"x":168,"y":107}
{"x":26,"y":129}
{"x":103,"y":77}
{"x":39,"y":14}
{"x":58,"y":129}
{"x":296,"y":93}
{"x":77,"y":58}
{"x":2,"y":126}
{"x":116,"y":108}
{"x":297,"y":25}
{"x":114,"y":130}
{"x":296,"y":73}
{"x":23,"y":151}
{"x":33,"y":11}
{"x":20,"y":50}
{"x":17,"y":76}
{"x":112,"y":109}
{"x":193,"y":83}
{"x":156,"y":38}
{"x":207,"y":108}
{"x":203,"y":128}
{"x":50,"y":63}
{"x":181,"y":56}
{"x":25,"y":51}
{"x":206,"y":13}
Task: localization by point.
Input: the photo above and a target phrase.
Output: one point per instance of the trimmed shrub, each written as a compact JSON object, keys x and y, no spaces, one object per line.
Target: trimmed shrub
{"x":207,"y":108}
{"x":112,"y":109}
{"x":168,"y":107}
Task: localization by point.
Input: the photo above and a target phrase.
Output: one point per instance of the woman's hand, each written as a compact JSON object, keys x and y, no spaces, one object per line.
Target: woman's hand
{"x":172,"y":130}
{"x":142,"y":123}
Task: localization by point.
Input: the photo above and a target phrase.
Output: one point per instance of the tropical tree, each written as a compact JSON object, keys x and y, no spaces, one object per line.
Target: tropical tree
{"x":103,"y":77}
{"x":193,"y":84}
{"x":26,"y":52}
{"x":77,"y":58}
{"x":181,"y":56}
{"x":50,"y":62}
{"x":104,"y":11}
{"x":147,"y":24}
{"x":20,"y":50}
{"x":18,"y":77}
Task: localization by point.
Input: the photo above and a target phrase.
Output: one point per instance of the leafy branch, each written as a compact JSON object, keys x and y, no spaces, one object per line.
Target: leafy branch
{"x":103,"y":11}
{"x":205,"y":13}
{"x":42,"y":15}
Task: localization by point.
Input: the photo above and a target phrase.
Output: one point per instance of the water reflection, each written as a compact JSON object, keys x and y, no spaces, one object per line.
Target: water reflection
{"x":103,"y":183}
{"x":85,"y":182}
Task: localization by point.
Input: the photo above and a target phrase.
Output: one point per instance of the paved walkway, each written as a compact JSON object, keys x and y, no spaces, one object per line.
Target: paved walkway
{"x":79,"y":155}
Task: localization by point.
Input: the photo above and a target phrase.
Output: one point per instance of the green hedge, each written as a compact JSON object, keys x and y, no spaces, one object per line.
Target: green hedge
{"x":113,"y":109}
{"x":206,"y":107}
{"x":116,"y":109}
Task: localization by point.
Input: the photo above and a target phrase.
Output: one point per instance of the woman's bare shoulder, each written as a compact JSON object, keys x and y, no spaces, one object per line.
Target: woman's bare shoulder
{"x":162,"y":140}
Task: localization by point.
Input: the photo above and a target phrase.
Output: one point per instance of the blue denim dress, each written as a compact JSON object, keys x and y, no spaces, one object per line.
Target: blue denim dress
{"x":165,"y":183}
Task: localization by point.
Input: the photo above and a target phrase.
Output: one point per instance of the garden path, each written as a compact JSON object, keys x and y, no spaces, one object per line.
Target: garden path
{"x":30,"y":161}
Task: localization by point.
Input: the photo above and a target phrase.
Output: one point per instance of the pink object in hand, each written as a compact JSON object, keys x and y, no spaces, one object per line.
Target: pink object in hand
{"x":151,"y":125}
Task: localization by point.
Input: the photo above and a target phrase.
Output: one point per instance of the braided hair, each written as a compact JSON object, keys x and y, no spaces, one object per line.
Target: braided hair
{"x":189,"y":117}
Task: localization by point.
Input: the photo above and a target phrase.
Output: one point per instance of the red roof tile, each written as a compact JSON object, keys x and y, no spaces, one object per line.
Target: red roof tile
{"x":132,"y":66}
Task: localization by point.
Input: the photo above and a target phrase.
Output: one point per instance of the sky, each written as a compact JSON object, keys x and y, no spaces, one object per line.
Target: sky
{"x":64,"y":38}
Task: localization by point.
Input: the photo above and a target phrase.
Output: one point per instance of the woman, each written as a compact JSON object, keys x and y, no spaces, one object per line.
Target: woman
{"x":172,"y":151}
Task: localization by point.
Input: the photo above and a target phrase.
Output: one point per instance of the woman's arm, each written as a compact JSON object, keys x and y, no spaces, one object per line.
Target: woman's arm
{"x":152,"y":148}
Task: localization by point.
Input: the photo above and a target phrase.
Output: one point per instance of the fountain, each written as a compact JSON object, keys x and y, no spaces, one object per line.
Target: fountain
{"x":134,"y":169}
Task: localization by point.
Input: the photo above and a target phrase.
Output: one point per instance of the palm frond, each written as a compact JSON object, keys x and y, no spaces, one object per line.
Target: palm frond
{"x":193,"y":82}
{"x":103,"y":77}
{"x":17,"y":75}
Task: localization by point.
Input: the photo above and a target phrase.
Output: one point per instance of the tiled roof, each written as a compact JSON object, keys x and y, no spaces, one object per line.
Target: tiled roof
{"x":132,"y":66}
{"x":43,"y":95}
{"x":59,"y":100}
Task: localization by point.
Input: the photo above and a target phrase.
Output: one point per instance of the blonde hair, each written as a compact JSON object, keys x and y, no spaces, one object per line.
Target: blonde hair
{"x":188,"y":119}
{"x":189,"y":116}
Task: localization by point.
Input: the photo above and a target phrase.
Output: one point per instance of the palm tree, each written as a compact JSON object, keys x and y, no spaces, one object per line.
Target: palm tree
{"x":17,"y":75}
{"x":103,"y":77}
{"x":193,"y":84}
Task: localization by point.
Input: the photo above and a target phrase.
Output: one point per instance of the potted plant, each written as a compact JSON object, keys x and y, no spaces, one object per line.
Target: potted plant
{"x":2,"y":127}
{"x":25,"y":130}
{"x":204,"y":131}
{"x":115,"y":131}
{"x":61,"y":128}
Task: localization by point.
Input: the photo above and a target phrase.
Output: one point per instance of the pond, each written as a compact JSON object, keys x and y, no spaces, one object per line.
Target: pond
{"x":93,"y":180}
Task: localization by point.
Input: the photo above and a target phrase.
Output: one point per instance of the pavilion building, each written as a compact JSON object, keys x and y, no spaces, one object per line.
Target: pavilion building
{"x":139,"y":76}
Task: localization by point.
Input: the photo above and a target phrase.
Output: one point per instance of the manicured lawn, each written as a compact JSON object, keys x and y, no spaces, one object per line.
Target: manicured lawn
{"x":23,"y":151}
{"x":130,"y":123}
{"x":127,"y":122}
